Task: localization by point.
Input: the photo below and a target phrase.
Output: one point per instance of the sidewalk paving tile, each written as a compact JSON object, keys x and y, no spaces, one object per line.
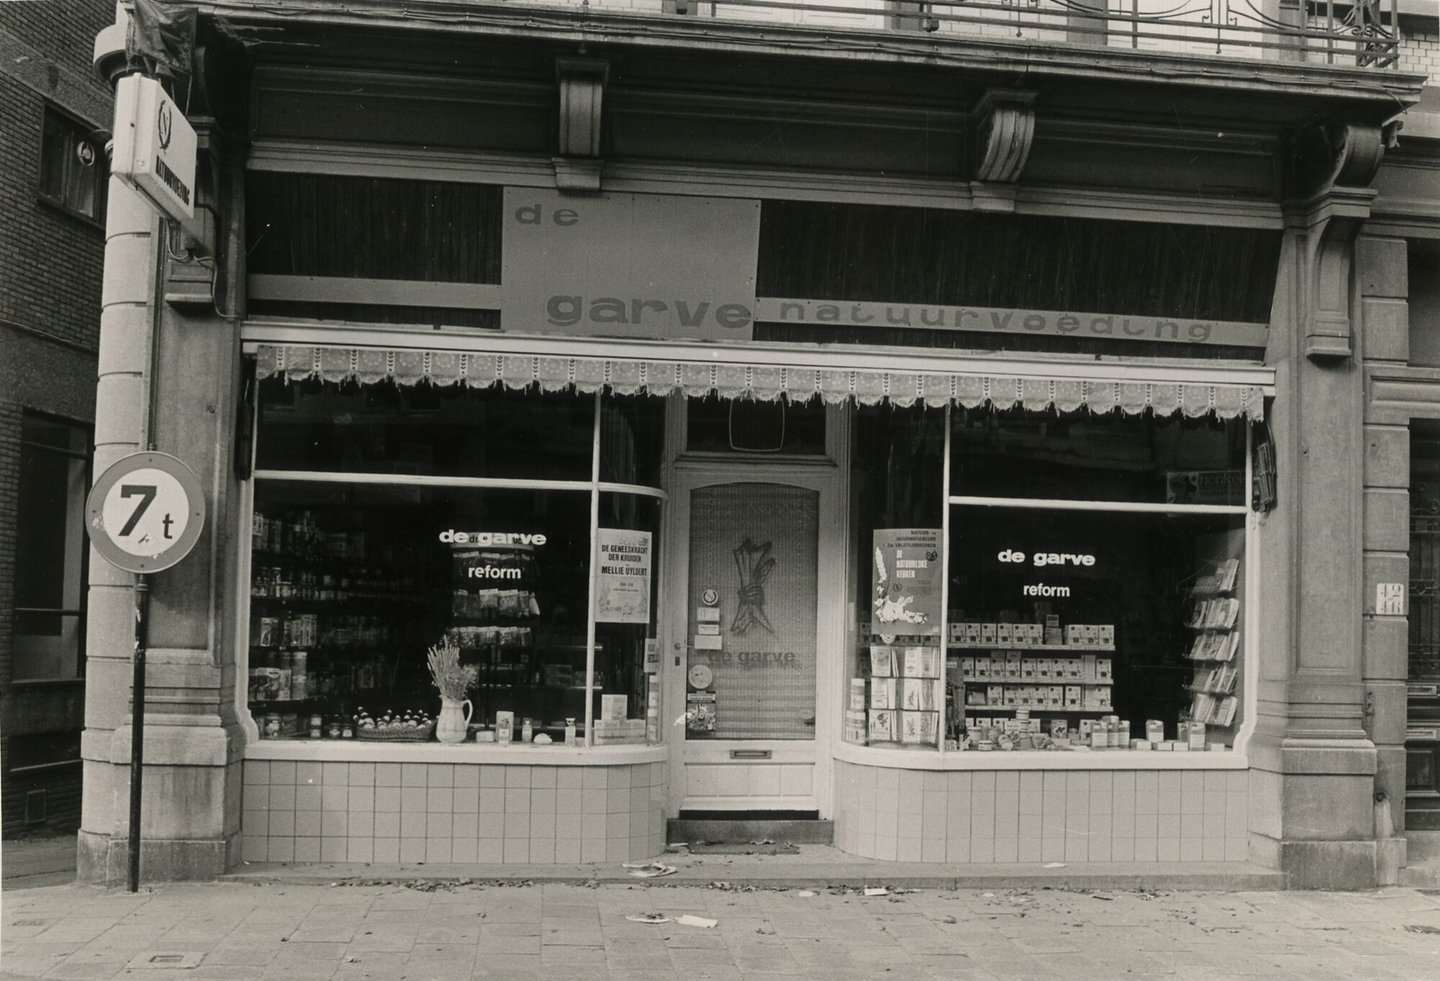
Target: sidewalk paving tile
{"x":379,"y":932}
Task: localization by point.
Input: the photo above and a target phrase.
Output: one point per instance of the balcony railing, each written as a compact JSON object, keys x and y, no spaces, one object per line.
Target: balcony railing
{"x":1356,"y":33}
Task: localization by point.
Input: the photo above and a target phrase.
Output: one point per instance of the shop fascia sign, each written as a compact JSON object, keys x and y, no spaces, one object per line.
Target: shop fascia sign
{"x":649,"y":266}
{"x":670,"y":267}
{"x":155,"y":147}
{"x":1004,"y":320}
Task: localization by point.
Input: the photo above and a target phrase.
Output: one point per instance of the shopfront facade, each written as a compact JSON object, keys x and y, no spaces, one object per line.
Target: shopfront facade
{"x":964,"y":513}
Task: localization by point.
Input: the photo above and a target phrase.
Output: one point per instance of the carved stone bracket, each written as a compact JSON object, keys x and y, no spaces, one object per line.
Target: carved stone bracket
{"x":582,"y":88}
{"x":1002,"y":131}
{"x":1332,"y":221}
{"x":1335,"y":164}
{"x":1343,"y":155}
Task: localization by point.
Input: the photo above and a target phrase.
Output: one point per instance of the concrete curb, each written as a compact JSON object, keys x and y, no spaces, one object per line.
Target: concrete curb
{"x":1198,"y":876}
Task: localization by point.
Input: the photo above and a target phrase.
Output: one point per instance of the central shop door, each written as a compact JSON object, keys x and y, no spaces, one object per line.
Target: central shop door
{"x":756,"y":638}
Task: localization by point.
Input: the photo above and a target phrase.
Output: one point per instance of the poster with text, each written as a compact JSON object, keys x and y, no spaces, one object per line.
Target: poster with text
{"x":623,"y":582}
{"x":906,"y":581}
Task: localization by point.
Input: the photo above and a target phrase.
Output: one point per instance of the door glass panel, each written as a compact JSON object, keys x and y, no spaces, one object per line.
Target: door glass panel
{"x":753,"y":574}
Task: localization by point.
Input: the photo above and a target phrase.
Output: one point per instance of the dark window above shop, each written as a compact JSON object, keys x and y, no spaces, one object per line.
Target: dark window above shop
{"x":372,"y":228}
{"x":856,"y":253}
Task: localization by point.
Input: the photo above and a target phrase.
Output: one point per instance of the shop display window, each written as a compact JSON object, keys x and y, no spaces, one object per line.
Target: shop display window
{"x":354,"y":579}
{"x":1082,"y":456}
{"x":1101,"y":620}
{"x":893,"y":695}
{"x":427,"y":430}
{"x":1071,"y":628}
{"x":626,"y":609}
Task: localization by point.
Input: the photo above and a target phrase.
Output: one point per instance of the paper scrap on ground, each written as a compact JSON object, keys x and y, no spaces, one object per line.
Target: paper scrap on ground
{"x":805,"y":893}
{"x":649,"y":918}
{"x":651,"y":871}
{"x":1054,"y":865}
{"x":695,"y":921}
{"x":876,"y":891}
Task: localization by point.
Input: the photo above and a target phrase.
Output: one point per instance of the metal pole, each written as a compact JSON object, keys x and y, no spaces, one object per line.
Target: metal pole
{"x":137,"y":722}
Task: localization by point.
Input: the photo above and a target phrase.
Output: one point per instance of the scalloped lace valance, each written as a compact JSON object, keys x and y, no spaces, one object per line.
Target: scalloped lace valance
{"x":765,"y":382}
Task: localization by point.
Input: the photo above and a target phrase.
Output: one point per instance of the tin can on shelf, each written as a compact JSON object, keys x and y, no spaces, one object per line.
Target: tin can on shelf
{"x":317,"y":725}
{"x":271,"y":728}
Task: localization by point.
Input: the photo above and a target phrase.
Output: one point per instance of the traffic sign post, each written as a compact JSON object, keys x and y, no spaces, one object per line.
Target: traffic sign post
{"x":144,"y":515}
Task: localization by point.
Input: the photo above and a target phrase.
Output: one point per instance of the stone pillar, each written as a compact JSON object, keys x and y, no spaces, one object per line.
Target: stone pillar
{"x":126,"y":314}
{"x":186,"y":357}
{"x":1382,"y":280}
{"x":1313,"y":765}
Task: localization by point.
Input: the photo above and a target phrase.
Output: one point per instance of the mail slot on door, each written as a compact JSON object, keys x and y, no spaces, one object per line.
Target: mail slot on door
{"x":749,"y":754}
{"x":1422,"y":691}
{"x":1422,"y":735}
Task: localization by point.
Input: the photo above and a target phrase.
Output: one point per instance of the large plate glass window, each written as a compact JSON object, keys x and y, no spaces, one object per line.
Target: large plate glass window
{"x":1094,"y":581}
{"x":389,"y":520}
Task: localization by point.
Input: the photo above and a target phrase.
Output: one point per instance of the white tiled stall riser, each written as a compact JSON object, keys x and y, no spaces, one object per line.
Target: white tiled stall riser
{"x":442,"y":812}
{"x":1042,"y":816}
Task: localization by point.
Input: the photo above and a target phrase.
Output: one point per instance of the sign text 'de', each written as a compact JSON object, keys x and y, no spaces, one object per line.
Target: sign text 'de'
{"x":629,"y":265}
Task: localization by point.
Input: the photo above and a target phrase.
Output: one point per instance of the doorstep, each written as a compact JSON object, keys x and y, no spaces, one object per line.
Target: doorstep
{"x":812,"y":866}
{"x":1421,"y":875}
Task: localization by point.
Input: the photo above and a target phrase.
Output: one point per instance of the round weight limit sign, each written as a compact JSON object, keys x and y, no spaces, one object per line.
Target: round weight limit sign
{"x":145,"y":512}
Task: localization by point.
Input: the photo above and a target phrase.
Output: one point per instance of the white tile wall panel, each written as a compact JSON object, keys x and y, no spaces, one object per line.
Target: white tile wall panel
{"x":465,"y":813}
{"x":1042,"y":816}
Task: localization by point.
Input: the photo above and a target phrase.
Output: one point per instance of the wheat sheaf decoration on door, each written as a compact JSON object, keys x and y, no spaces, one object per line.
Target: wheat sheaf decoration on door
{"x":754,"y":564}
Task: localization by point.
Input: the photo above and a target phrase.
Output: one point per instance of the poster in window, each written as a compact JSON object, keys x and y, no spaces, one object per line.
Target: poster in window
{"x":622,"y":582}
{"x":906,"y":581}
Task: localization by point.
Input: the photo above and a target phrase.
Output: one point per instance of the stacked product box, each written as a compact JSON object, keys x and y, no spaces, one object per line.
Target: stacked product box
{"x":855,"y":706}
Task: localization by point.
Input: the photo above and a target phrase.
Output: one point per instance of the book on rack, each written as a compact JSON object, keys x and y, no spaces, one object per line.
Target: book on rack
{"x":1225,"y":575}
{"x":882,"y":661}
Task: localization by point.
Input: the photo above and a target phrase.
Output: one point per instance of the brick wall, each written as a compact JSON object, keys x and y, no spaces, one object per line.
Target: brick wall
{"x":64,"y":29}
{"x":1420,"y":52}
{"x":50,"y":261}
{"x":51,"y":266}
